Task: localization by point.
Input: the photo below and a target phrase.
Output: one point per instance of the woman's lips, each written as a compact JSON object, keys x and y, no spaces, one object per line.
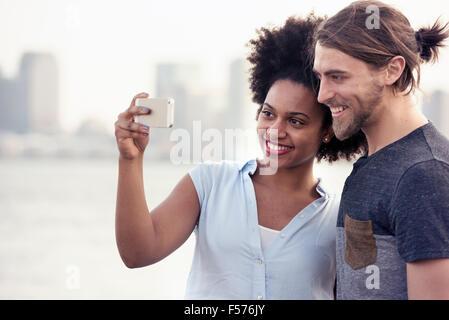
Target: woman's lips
{"x":277,"y":149}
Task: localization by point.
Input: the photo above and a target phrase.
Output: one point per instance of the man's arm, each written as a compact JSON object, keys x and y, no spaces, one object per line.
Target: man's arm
{"x":421,"y":217}
{"x":428,"y":279}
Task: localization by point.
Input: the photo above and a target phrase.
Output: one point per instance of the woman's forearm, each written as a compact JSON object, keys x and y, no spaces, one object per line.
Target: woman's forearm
{"x":133,"y":226}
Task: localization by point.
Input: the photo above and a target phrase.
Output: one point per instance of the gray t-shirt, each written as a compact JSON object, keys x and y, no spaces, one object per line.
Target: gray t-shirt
{"x":394,"y":209}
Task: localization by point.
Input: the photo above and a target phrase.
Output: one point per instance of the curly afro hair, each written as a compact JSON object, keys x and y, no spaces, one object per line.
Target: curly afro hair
{"x":285,"y":54}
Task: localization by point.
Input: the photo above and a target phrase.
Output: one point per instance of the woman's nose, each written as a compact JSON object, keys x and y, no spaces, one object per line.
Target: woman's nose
{"x":276,"y":131}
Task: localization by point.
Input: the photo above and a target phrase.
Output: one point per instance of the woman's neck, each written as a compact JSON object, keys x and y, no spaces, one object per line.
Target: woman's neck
{"x":298,"y":180}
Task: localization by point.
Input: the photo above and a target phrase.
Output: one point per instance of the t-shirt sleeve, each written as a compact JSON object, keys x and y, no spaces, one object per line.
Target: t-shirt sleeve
{"x":202,"y":180}
{"x":420,"y":211}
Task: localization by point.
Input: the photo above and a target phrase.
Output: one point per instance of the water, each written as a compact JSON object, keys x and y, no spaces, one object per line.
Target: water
{"x":57,"y":237}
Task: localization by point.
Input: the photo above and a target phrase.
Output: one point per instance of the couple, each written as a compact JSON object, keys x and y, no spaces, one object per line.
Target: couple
{"x":328,"y":89}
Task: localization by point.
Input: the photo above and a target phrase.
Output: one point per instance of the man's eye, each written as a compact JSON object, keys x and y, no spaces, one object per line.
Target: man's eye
{"x":337,"y":77}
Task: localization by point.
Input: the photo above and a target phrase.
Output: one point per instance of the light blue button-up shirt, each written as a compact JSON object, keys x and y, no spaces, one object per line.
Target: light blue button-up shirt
{"x":229,"y":262}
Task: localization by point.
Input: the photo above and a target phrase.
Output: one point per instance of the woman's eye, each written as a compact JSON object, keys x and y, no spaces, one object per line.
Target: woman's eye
{"x":266,"y":113}
{"x":296,"y":122}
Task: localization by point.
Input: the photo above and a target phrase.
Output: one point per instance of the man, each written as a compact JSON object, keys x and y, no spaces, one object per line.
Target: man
{"x":393,"y":222}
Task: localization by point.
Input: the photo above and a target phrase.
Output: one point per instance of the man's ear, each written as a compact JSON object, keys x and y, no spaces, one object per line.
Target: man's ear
{"x":394,"y":70}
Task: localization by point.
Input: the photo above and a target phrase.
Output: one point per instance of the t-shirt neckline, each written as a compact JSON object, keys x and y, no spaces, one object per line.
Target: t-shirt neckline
{"x":365,"y":158}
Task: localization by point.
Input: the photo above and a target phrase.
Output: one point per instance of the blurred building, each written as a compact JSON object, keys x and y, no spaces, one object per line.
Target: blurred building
{"x":436,"y":109}
{"x":30,"y":102}
{"x":237,"y":110}
{"x":183,"y":82}
{"x":39,"y":80}
{"x":13,"y":117}
{"x":178,"y":81}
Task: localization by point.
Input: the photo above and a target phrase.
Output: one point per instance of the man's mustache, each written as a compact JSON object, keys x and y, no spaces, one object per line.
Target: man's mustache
{"x":335,"y":103}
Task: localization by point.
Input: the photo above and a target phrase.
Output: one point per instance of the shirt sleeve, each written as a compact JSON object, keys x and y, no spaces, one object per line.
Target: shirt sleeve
{"x":202,"y":180}
{"x":420,"y":211}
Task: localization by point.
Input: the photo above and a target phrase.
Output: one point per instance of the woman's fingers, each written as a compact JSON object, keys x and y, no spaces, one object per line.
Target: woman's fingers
{"x":134,"y":110}
{"x":126,"y":128}
{"x":121,"y":133}
{"x":138,"y":96}
{"x":132,"y":138}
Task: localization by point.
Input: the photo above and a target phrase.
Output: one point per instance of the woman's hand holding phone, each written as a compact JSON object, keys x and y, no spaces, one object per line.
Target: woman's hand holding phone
{"x":132,"y":138}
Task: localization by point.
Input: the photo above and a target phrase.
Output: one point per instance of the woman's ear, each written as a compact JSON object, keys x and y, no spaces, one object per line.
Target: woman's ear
{"x":328,"y":135}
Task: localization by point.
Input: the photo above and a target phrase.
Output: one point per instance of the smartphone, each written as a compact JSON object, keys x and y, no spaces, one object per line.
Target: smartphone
{"x":162,"y":112}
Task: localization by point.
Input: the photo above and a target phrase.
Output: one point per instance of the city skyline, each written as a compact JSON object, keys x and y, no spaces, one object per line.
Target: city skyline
{"x":24,"y":129}
{"x":30,"y":102}
{"x":107,"y":52}
{"x":225,"y":103}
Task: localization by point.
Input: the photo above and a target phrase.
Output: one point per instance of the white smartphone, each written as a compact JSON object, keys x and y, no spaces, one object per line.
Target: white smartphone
{"x":162,"y":112}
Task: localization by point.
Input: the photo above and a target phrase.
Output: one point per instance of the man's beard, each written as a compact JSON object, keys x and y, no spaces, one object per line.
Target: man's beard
{"x":358,"y":119}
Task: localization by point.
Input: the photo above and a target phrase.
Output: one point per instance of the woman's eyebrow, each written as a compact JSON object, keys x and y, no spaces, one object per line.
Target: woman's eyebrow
{"x":268,"y":105}
{"x":290,"y":113}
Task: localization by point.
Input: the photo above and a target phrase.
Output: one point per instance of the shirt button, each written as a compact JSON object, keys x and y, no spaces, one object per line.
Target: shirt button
{"x":259,"y":298}
{"x":283,"y":235}
{"x":259,"y":261}
{"x":301,"y":216}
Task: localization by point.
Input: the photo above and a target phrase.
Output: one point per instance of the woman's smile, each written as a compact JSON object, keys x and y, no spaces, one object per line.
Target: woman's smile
{"x":276,"y":148}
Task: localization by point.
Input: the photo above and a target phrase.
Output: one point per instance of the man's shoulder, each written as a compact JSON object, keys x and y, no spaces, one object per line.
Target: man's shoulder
{"x":437,"y":143}
{"x":428,"y":153}
{"x":425,"y":174}
{"x":421,"y":148}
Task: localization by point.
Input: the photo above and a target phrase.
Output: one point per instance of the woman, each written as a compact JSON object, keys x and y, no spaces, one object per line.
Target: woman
{"x":259,"y":236}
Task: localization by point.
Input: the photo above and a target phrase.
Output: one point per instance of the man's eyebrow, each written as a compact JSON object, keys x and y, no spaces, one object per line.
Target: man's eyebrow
{"x":290,"y":113}
{"x":334,"y":71}
{"x":329,"y":72}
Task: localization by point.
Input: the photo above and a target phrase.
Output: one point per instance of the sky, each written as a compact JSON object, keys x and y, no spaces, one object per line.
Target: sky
{"x":107,"y":50}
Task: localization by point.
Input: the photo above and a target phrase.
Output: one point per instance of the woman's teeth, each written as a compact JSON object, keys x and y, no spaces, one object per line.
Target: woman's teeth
{"x":278,"y":147}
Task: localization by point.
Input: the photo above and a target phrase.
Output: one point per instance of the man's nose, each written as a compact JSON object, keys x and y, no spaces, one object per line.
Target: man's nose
{"x":325,"y":92}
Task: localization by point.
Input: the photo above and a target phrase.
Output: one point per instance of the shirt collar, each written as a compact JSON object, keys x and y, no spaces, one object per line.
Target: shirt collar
{"x":250,"y":167}
{"x":322,"y":189}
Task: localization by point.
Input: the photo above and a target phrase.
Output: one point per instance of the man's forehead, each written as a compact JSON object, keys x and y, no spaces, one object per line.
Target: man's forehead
{"x":331,"y":59}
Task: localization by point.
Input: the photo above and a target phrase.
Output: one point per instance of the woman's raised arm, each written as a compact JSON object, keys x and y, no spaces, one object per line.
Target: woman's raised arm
{"x":144,"y":237}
